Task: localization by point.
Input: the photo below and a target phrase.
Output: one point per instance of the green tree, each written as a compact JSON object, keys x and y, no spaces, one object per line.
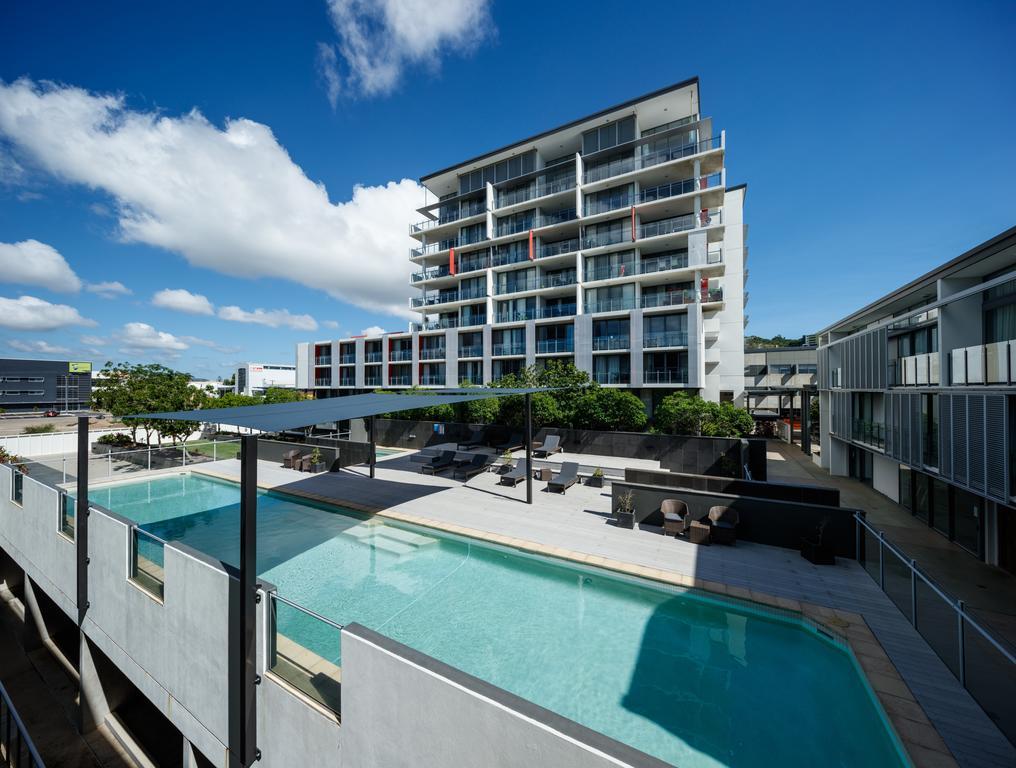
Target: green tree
{"x":680,"y":413}
{"x":282,"y":395}
{"x":615,"y":410}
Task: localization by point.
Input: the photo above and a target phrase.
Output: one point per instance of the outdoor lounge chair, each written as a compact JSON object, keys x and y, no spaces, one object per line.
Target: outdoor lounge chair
{"x":289,"y":456}
{"x":551,"y":445}
{"x":439,"y":464}
{"x":424,"y":456}
{"x":477,"y":437}
{"x":675,"y":517}
{"x":477,"y":464}
{"x":517,"y":474}
{"x":513,"y":443}
{"x":817,"y":549}
{"x":566,"y":478}
{"x":723,"y":521}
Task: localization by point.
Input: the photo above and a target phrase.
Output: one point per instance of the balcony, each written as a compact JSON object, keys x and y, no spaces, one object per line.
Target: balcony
{"x":400,"y":381}
{"x":556,"y":249}
{"x":664,"y":191}
{"x":431,"y":380}
{"x":668,"y":299}
{"x":516,"y":286}
{"x":868,"y":432}
{"x":437,"y":325}
{"x":984,"y":364}
{"x":712,"y":295}
{"x":323,"y":360}
{"x":612,"y":377}
{"x":347,"y":381}
{"x":556,"y":217}
{"x":372,"y":357}
{"x":668,"y":226}
{"x":515,"y":317}
{"x":432,"y":353}
{"x":435,"y":298}
{"x":630,"y":164}
{"x":347,"y":360}
{"x":372,"y":381}
{"x":475,"y":350}
{"x":554,"y":346}
{"x":610,"y":272}
{"x":665,"y":339}
{"x":323,"y":382}
{"x":533,"y":191}
{"x":665,"y":376}
{"x":558,"y":281}
{"x":507,"y":350}
{"x":917,"y":370}
{"x":513,"y":256}
{"x":648,"y":267}
{"x":464,"y":213}
{"x":603,"y":239}
{"x":617,"y":341}
{"x":401,"y":356}
{"x":472,"y":263}
{"x":595,"y":207}
{"x":432,"y":273}
{"x":557,"y":310}
{"x":611,"y":305}
{"x":465,"y":321}
{"x":429,"y":248}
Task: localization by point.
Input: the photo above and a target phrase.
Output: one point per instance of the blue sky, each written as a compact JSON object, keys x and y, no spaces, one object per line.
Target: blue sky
{"x":876,"y":141}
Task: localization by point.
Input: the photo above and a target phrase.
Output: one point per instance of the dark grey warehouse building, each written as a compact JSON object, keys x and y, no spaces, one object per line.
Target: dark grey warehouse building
{"x":40,"y":385}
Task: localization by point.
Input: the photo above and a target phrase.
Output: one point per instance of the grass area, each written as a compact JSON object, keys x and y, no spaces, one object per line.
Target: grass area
{"x":39,"y":429}
{"x":221,"y":450}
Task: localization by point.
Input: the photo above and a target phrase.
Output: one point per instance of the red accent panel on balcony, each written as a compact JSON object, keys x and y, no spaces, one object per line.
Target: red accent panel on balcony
{"x":451,"y":261}
{"x":531,"y":256}
{"x":633,"y":232}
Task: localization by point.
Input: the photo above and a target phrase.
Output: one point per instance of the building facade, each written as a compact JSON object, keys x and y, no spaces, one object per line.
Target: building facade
{"x":775,"y":376}
{"x":42,"y":385}
{"x":612,"y":242}
{"x":255,"y":378}
{"x":918,"y":398}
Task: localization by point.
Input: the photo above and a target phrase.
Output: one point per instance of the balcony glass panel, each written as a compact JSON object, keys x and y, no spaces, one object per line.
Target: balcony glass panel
{"x":611,"y":342}
{"x":668,"y":298}
{"x":665,"y":376}
{"x":611,"y":305}
{"x":665,"y":339}
{"x":556,"y":310}
{"x":312,"y":665}
{"x":555,"y":249}
{"x":148,"y":562}
{"x":552,"y":346}
{"x":617,"y":166}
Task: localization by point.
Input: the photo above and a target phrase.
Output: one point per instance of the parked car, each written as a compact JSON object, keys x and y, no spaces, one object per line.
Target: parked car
{"x":51,"y":412}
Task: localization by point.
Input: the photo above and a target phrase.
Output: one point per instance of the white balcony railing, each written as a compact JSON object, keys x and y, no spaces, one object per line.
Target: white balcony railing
{"x":918,"y":370}
{"x":985,"y":363}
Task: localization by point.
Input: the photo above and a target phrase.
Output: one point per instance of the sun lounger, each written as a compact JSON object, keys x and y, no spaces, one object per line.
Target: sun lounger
{"x":475,"y":440}
{"x":513,"y":443}
{"x":474,"y":466}
{"x":424,"y":456}
{"x":551,"y":445}
{"x":517,"y":474}
{"x":566,"y":478}
{"x":439,"y":464}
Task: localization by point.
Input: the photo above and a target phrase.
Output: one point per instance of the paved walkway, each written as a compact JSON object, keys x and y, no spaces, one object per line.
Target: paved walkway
{"x":988,"y":592}
{"x":579,"y":522}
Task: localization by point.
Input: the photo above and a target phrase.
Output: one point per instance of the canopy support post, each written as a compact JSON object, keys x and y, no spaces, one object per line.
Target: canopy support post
{"x":373,"y":445}
{"x":81,"y":520}
{"x":243,"y":661}
{"x":529,"y":448}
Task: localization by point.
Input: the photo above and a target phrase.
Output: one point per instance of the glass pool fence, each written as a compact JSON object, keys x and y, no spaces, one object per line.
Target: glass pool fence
{"x":313,"y":665}
{"x":982,"y":664}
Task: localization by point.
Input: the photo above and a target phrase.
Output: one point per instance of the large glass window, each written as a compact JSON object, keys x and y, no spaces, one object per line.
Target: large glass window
{"x":906,"y":487}
{"x":610,"y":135}
{"x":1000,"y":313}
{"x":929,"y":425}
{"x":940,"y":506}
{"x":609,"y":199}
{"x":922,"y":498}
{"x":968,"y":511}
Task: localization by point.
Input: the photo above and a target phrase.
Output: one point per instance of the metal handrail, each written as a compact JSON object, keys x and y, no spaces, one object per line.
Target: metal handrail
{"x":23,"y":739}
{"x":955,"y":604}
{"x":308,"y":611}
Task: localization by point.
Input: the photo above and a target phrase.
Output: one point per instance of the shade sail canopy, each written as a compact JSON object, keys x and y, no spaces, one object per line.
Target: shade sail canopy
{"x":277,"y":417}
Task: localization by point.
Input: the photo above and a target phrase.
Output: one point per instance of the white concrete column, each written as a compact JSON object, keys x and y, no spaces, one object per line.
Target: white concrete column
{"x":488,"y":334}
{"x":359,"y":348}
{"x":635,"y":355}
{"x":415,"y":367}
{"x":451,"y":357}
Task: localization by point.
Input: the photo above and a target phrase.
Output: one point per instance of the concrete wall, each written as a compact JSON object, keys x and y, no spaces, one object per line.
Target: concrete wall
{"x":402,"y":708}
{"x":809,"y":494}
{"x":66,"y":442}
{"x":886,"y":476}
{"x":30,"y":535}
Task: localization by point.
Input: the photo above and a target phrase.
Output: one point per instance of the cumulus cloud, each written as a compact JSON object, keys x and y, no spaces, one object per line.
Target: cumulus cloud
{"x":27,"y":313}
{"x":378,"y":39}
{"x":141,"y":337}
{"x":109,"y":289}
{"x":94,"y":341}
{"x":33,"y":263}
{"x":43,"y":347}
{"x":182,"y":300}
{"x":223,"y":349}
{"x":229,"y":199}
{"x":374,"y":330}
{"x":273,"y":318}
{"x":328,"y":71}
{"x":329,"y":323}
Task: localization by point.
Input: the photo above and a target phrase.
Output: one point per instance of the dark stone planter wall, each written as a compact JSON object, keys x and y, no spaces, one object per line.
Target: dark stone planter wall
{"x":806,"y":494}
{"x":719,"y":456}
{"x":765,"y":521}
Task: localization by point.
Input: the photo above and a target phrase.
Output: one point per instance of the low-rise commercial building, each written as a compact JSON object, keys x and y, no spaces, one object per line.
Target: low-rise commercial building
{"x":918,"y":398}
{"x":42,"y":385}
{"x":255,"y":378}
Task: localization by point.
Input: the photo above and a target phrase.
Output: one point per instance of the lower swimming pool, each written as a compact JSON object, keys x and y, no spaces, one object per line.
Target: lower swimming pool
{"x":693,"y":680}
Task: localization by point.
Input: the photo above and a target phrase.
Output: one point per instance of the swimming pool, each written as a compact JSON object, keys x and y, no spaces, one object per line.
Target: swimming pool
{"x":688,"y":678}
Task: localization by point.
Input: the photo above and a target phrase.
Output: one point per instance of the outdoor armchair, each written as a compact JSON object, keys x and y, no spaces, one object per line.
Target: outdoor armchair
{"x":723,"y":521}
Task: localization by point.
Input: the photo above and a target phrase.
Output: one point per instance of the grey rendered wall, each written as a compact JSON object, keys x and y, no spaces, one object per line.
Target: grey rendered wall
{"x":176,"y":651}
{"x":30,"y":535}
{"x":402,"y":708}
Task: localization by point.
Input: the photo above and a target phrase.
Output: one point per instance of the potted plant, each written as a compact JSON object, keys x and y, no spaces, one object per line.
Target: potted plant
{"x":506,"y":462}
{"x":625,"y":512}
{"x":316,"y":464}
{"x":596,"y":479}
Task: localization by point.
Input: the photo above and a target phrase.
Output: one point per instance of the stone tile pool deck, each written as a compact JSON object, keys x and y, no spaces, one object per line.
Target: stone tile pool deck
{"x":915,"y":687}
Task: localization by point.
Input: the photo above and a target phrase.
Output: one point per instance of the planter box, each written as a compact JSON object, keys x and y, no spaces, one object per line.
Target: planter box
{"x":595,"y":482}
{"x":625,"y":519}
{"x":319,"y":467}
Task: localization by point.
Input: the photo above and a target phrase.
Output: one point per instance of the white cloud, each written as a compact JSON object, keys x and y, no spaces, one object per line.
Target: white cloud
{"x":33,"y":263}
{"x":38,"y":346}
{"x":227,"y":199}
{"x":374,"y":330}
{"x":378,"y":39}
{"x":329,"y":323}
{"x":141,"y":337}
{"x":27,"y":313}
{"x":183,"y":300}
{"x":109,"y":289}
{"x":274,"y":318}
{"x":94,"y":341}
{"x":328,"y":70}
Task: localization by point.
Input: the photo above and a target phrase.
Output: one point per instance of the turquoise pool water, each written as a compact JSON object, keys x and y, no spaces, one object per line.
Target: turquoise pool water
{"x":691,"y":680}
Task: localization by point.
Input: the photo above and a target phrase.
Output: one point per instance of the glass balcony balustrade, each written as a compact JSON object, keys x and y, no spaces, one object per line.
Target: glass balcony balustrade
{"x":432,"y":353}
{"x":399,"y":381}
{"x":615,"y":341}
{"x":475,"y":350}
{"x":507,"y":349}
{"x":432,"y":380}
{"x":372,"y":357}
{"x":612,"y":377}
{"x":554,"y":346}
{"x":665,"y":376}
{"x":648,"y":265}
{"x":400,"y":355}
{"x":610,"y":271}
{"x":555,"y":310}
{"x":611,"y":305}
{"x":515,"y":286}
{"x":665,"y":339}
{"x":668,"y":298}
{"x":516,"y":316}
{"x":558,"y":248}
{"x":558,"y":281}
{"x":601,"y":171}
{"x":347,"y":359}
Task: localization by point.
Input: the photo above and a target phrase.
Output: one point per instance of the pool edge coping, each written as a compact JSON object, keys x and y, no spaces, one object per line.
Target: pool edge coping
{"x":922,"y":743}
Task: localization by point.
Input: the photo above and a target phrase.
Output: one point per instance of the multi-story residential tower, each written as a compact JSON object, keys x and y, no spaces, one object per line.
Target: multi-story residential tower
{"x":612,"y":242}
{"x":918,"y":398}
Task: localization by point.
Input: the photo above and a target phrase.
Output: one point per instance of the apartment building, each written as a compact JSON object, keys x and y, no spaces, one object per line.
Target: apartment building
{"x":255,"y":378}
{"x":918,"y":398}
{"x":774,"y":377}
{"x":41,"y":385}
{"x":612,"y":242}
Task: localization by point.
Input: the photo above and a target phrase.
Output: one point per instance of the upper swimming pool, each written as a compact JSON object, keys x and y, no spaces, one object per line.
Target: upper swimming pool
{"x":693,"y":680}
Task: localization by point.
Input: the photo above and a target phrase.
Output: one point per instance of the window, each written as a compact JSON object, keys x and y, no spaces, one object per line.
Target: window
{"x":929,"y":425}
{"x":610,"y":135}
{"x":906,"y":487}
{"x":968,"y":511}
{"x":1000,"y":313}
{"x":17,"y":487}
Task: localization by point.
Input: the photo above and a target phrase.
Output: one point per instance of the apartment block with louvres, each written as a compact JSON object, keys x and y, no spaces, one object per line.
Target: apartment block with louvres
{"x":612,"y":242}
{"x":917,"y":396}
